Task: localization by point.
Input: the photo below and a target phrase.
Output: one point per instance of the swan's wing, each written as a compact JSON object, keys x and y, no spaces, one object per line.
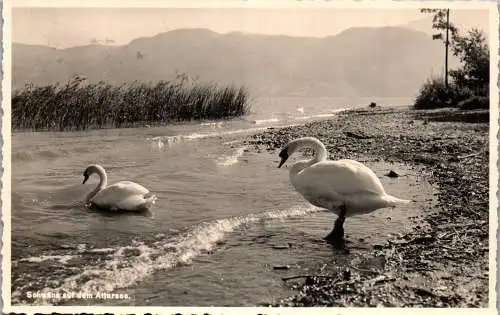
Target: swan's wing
{"x":115,"y":194}
{"x":337,"y":178}
{"x":129,"y":188}
{"x":366,"y":176}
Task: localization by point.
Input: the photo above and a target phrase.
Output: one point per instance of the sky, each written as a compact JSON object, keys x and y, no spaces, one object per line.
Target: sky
{"x":67,"y":27}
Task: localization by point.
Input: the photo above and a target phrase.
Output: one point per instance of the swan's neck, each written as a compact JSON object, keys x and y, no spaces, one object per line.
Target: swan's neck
{"x":320,"y":154}
{"x":102,"y":184}
{"x":319,"y":149}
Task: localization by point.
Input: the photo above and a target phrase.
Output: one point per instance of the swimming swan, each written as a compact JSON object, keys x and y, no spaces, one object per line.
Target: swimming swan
{"x":345,"y":187}
{"x":122,"y":196}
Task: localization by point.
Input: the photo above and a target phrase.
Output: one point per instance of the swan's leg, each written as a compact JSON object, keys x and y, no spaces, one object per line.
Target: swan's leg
{"x":336,"y":236}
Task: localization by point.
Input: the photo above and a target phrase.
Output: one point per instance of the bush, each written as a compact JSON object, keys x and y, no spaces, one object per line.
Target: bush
{"x":475,"y":102}
{"x":79,"y":106}
{"x":433,"y":94}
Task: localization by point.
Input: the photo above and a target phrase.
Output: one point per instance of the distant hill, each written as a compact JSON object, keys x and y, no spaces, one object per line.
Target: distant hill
{"x":388,"y":61}
{"x":464,"y":20}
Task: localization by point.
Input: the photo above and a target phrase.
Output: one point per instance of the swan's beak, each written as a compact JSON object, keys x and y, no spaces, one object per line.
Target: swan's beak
{"x":284,"y":156}
{"x":85,"y":178}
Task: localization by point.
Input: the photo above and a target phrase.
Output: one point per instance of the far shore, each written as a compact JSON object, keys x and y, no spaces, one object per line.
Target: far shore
{"x":441,"y":263}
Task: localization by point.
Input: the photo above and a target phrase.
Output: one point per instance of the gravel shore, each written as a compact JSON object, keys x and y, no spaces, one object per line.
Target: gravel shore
{"x":442,"y":262}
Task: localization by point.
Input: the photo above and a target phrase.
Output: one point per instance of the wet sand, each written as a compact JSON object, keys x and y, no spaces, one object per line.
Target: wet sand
{"x":443,"y":260}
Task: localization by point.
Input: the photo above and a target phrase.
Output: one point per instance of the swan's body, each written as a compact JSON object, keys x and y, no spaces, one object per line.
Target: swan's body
{"x":330,"y":184}
{"x":346,"y":187}
{"x":121,"y":196}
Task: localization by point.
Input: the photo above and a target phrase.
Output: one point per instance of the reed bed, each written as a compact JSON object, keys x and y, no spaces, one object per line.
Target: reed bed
{"x":80,"y":106}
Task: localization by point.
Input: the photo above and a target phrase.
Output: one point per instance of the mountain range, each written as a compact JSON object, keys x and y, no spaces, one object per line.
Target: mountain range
{"x":358,"y":62}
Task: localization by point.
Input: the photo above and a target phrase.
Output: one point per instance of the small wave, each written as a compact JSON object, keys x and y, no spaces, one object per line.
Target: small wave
{"x":232,"y":142}
{"x":75,"y":204}
{"x":223,"y":133}
{"x":332,"y":113}
{"x":130,"y":264}
{"x":62,"y":259}
{"x":231,"y":159}
{"x":303,"y":117}
{"x":161,"y":141}
{"x":217,"y":124}
{"x":323,"y":115}
{"x":315,"y":116}
{"x":36,"y":154}
{"x":102,"y":250}
{"x":338,"y":110}
{"x":264,"y":121}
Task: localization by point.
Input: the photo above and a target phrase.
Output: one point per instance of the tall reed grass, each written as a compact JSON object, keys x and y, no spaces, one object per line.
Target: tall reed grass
{"x":79,"y":106}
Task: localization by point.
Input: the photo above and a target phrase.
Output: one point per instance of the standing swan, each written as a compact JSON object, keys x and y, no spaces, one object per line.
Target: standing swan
{"x":346,"y":187}
{"x":122,"y":196}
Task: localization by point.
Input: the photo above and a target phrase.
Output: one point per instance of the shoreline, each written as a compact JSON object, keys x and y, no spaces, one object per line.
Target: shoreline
{"x":440,"y":263}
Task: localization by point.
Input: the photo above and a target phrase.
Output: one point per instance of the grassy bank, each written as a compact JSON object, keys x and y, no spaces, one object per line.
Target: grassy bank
{"x":443,"y":260}
{"x":79,"y":106}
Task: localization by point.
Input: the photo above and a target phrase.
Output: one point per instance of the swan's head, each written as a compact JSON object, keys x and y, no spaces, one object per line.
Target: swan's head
{"x":297,"y":144}
{"x":288,"y":150}
{"x":91,"y":170}
{"x":85,"y":176}
{"x":284,"y":156}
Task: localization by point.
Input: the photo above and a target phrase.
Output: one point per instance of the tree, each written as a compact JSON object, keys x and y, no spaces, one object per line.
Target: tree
{"x":473,"y":52}
{"x":441,"y":21}
{"x":470,"y":83}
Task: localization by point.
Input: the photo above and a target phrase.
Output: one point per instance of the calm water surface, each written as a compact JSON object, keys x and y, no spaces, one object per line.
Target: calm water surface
{"x":210,"y":239}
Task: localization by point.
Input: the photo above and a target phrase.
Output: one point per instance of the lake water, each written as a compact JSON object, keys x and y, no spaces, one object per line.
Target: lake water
{"x":225,"y":216}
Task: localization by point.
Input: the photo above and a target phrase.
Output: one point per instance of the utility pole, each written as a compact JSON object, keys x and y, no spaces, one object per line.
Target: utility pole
{"x":446,"y":49}
{"x":438,"y":23}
